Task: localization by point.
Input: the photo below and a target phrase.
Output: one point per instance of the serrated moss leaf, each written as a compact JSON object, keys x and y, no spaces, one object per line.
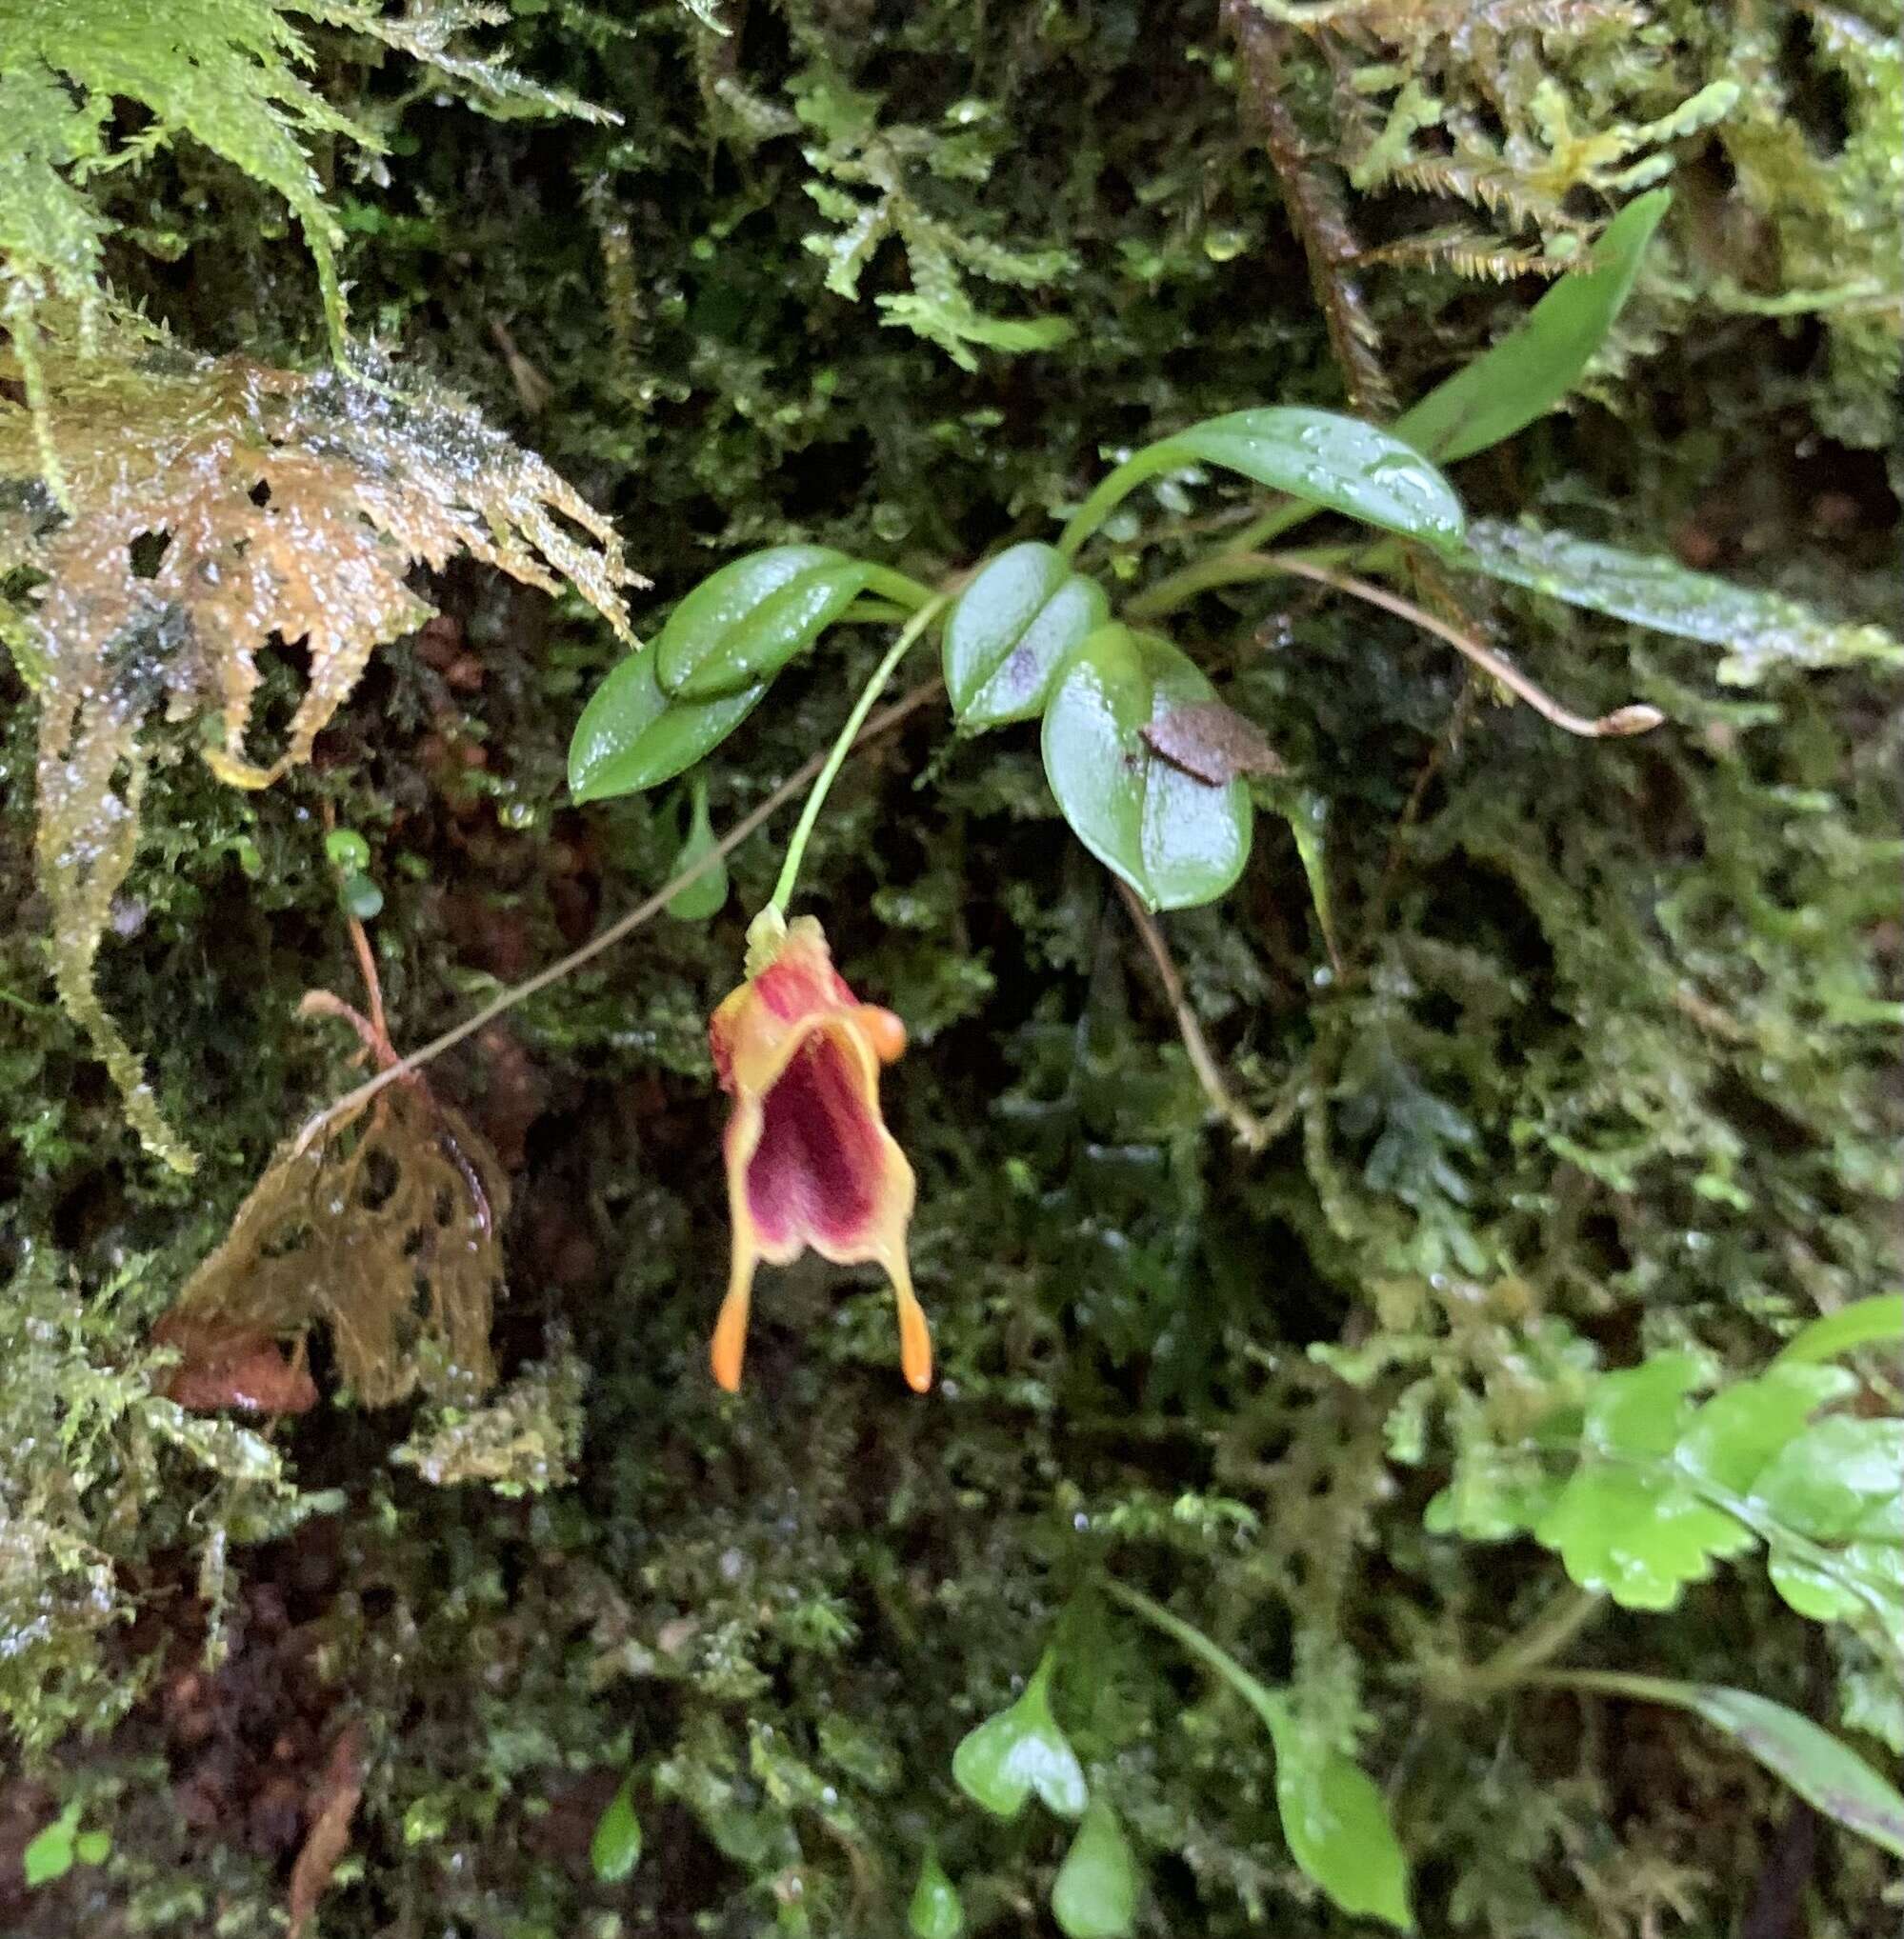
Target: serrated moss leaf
{"x":1010,"y":630}
{"x":1095,"y":1896}
{"x":632,"y":736}
{"x":1532,"y":368}
{"x":1762,"y":632}
{"x":1178,"y":841}
{"x":742,"y":624}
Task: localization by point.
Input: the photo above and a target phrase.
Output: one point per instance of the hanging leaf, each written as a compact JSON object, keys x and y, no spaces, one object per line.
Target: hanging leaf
{"x":1829,"y":1775}
{"x":1018,"y":1751}
{"x":1095,"y":1896}
{"x":935,"y":1911}
{"x":1009,"y":631}
{"x":1532,"y":368}
{"x":1178,"y":841}
{"x":742,"y":624}
{"x":1318,"y":456}
{"x":616,"y":1849}
{"x":1863,"y":1323}
{"x":386,"y":1227}
{"x":707,"y":894}
{"x":632,"y":736}
{"x":1337,"y":1826}
{"x":211,"y":506}
{"x":1762,"y":632}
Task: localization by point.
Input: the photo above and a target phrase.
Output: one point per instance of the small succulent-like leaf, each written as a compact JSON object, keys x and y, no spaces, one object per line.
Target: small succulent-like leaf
{"x":1759,"y":631}
{"x":935,"y":1911}
{"x":707,"y":894}
{"x":1178,"y":841}
{"x":742,"y":624}
{"x":632,"y":736}
{"x":1010,"y":630}
{"x":1095,"y":1896}
{"x":1532,"y":368}
{"x":1320,"y":457}
{"x":616,"y":1849}
{"x":1018,"y":1751}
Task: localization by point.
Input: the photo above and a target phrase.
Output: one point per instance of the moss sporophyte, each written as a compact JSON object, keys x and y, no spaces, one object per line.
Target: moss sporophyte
{"x":809,"y":1161}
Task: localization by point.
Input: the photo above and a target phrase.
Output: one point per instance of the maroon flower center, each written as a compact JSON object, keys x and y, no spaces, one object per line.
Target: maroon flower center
{"x":815,"y":1172}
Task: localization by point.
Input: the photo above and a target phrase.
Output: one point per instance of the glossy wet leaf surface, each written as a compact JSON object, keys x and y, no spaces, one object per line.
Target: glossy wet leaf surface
{"x":1176,"y":840}
{"x":1009,"y":631}
{"x":1339,"y":1830}
{"x":742,"y":624}
{"x":633,"y":736}
{"x":1762,"y":633}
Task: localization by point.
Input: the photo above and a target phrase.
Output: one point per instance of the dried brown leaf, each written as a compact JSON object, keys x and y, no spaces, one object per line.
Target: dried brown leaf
{"x":222,"y":1368}
{"x":1213,"y":742}
{"x":386,"y":1229}
{"x":336,"y":1796}
{"x":213,"y":506}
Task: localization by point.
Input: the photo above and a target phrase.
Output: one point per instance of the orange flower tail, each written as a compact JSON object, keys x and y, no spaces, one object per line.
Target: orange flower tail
{"x":915,"y":1338}
{"x":730,"y":1343}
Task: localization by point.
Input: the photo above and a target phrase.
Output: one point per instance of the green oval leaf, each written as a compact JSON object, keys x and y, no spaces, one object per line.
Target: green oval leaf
{"x":1336,"y":462}
{"x":616,"y":1849}
{"x":707,"y":894}
{"x":1010,"y":630}
{"x":1829,"y":1775}
{"x":935,"y":1912}
{"x":1018,"y":1751}
{"x":631,"y":736}
{"x":741,"y":625}
{"x":1337,"y":1825}
{"x":1095,"y":1896}
{"x":1760,"y":632}
{"x":49,"y":1853}
{"x":1532,"y":368}
{"x":1864,"y":1323}
{"x":1178,"y":841}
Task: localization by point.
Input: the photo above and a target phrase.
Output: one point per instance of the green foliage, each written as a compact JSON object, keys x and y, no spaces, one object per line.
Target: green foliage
{"x":934,"y":1910}
{"x":1012,"y":629}
{"x":52,"y":1852}
{"x":616,"y":1849}
{"x":1759,"y":630}
{"x":1661,"y":1489}
{"x":1021,"y":1751}
{"x":1095,"y":1896}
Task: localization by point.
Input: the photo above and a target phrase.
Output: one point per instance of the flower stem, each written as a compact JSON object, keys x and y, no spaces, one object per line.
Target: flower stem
{"x":796,"y":848}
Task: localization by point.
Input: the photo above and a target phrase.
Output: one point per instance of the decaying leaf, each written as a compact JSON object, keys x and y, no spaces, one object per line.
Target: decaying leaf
{"x":223,"y":1368}
{"x":336,"y":1798}
{"x":214,"y":506}
{"x":386,"y":1227}
{"x":1213,"y":742}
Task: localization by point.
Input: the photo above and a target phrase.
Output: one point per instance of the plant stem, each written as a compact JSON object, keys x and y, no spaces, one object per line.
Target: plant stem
{"x":904,"y":591}
{"x":643,"y":913}
{"x":1523,"y":1655}
{"x":796,"y":848}
{"x":1267,"y":1703}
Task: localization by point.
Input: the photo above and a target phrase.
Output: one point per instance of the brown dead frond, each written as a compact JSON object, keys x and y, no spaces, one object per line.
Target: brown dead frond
{"x":386,"y":1229}
{"x":213,"y":506}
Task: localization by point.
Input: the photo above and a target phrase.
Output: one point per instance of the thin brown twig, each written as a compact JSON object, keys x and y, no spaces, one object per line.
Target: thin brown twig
{"x":882,"y":723}
{"x":1251,"y":1131}
{"x":1636,"y":718}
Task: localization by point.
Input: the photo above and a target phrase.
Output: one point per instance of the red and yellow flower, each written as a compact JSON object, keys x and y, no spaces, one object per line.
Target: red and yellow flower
{"x":810,"y":1161}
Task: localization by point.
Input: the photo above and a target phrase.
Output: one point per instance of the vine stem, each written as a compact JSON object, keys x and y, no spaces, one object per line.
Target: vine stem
{"x":1228,"y":568}
{"x":796,"y":848}
{"x":644,"y":913}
